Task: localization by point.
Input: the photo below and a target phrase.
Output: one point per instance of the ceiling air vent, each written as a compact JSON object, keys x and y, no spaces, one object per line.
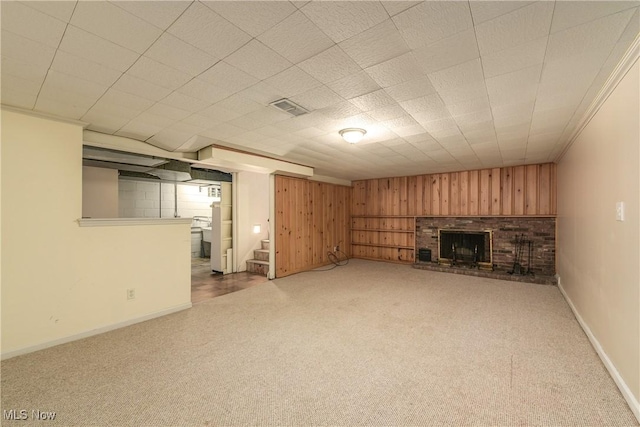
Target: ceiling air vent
{"x":289,"y":107}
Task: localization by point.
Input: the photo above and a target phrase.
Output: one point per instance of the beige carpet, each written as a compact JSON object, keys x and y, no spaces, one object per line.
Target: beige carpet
{"x":364,"y":344}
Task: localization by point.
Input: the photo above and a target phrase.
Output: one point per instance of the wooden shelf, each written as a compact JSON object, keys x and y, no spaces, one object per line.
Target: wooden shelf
{"x":382,"y":245}
{"x":388,"y":230}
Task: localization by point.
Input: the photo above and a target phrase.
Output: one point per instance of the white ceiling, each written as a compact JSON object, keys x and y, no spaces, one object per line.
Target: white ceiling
{"x":438,"y":85}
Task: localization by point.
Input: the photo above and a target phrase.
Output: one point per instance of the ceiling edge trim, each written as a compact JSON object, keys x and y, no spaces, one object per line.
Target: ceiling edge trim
{"x":44,"y":115}
{"x":628,"y":60}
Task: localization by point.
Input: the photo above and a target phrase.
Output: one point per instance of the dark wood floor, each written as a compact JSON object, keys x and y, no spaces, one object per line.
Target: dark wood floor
{"x":206,"y":285}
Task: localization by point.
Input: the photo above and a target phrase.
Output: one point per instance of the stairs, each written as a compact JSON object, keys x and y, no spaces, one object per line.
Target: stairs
{"x":260,"y":262}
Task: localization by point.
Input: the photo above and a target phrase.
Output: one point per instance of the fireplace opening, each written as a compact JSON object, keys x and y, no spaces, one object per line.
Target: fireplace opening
{"x":465,"y":247}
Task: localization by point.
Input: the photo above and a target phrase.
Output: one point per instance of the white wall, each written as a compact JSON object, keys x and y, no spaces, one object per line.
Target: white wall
{"x":60,"y":280}
{"x":252,"y":191}
{"x":142,"y":199}
{"x":598,"y":257}
{"x":99,"y":192}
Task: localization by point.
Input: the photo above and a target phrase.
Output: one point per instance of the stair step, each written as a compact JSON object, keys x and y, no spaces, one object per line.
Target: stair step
{"x":261,"y":254}
{"x":265,"y":244}
{"x":257,"y":266}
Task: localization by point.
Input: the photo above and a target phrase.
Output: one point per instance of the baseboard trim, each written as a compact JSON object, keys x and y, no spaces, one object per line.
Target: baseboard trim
{"x":622,"y":385}
{"x":92,"y":332}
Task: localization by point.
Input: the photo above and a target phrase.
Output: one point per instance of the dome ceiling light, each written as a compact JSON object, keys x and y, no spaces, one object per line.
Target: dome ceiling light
{"x":352,"y":135}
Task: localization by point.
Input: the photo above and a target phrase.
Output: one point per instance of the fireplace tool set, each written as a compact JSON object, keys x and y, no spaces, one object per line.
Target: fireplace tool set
{"x":520,"y":243}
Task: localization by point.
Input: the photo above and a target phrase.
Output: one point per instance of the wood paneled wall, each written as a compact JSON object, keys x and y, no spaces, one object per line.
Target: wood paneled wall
{"x":518,"y":190}
{"x":311,"y":218}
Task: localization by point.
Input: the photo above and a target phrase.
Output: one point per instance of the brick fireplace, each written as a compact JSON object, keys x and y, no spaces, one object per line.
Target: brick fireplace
{"x":504,"y":230}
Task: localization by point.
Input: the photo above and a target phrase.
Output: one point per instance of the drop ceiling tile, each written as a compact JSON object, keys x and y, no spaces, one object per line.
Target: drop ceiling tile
{"x":460,"y":75}
{"x":472,"y":106}
{"x":518,"y":86}
{"x":292,"y":81}
{"x":15,"y":98}
{"x":155,"y":120}
{"x":159,"y":74}
{"x":219,"y":114}
{"x":20,"y":85}
{"x":168,"y":139}
{"x":375,"y":45}
{"x":142,"y":88}
{"x":401,"y":122}
{"x":515,"y":28}
{"x":258,"y":60}
{"x":93,"y":48}
{"x":570,"y":14}
{"x":71,"y":84}
{"x":262,"y":93}
{"x":600,"y":34}
{"x":84,"y":69}
{"x":342,"y":20}
{"x":354,"y":85}
{"x":387,"y":113}
{"x":450,"y":51}
{"x":17,"y":68}
{"x":317,"y":98}
{"x":58,"y":9}
{"x":486,"y":10}
{"x":72,"y":108}
{"x":253,"y":17}
{"x":286,"y":38}
{"x":208,"y":31}
{"x":200,"y":121}
{"x":331,"y":65}
{"x":395,"y":7}
{"x":519,"y":109}
{"x":239,"y":104}
{"x":204,"y":91}
{"x":429,"y":115}
{"x":429,"y":22}
{"x":411,"y":89}
{"x":464,"y":93}
{"x":175,"y":53}
{"x":221,"y":131}
{"x":515,"y":58}
{"x":161,"y":14}
{"x":184,"y":102}
{"x":228,"y":77}
{"x":125,"y":100}
{"x":26,"y":51}
{"x":114,"y":24}
{"x":168,"y":112}
{"x":103,"y":122}
{"x":31,"y":23}
{"x":423,"y":103}
{"x":395,"y":71}
{"x":373,"y":100}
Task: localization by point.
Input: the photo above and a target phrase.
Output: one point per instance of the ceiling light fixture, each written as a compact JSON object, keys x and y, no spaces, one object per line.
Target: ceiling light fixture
{"x":352,"y":135}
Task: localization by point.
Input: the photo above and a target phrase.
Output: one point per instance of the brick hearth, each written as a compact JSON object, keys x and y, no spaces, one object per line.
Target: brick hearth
{"x":540,"y":230}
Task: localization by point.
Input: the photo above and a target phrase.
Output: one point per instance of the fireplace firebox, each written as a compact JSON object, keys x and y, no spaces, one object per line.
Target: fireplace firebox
{"x":464,"y":247}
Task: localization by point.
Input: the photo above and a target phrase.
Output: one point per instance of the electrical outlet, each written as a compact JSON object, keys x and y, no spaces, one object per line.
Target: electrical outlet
{"x":131,"y":294}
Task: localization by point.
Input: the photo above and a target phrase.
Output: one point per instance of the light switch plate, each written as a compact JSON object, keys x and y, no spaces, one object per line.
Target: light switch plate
{"x":620,"y":211}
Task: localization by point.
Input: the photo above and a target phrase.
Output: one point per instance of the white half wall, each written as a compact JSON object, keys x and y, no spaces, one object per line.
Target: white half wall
{"x":61,"y":281}
{"x":252,"y":208}
{"x":598,"y":256}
